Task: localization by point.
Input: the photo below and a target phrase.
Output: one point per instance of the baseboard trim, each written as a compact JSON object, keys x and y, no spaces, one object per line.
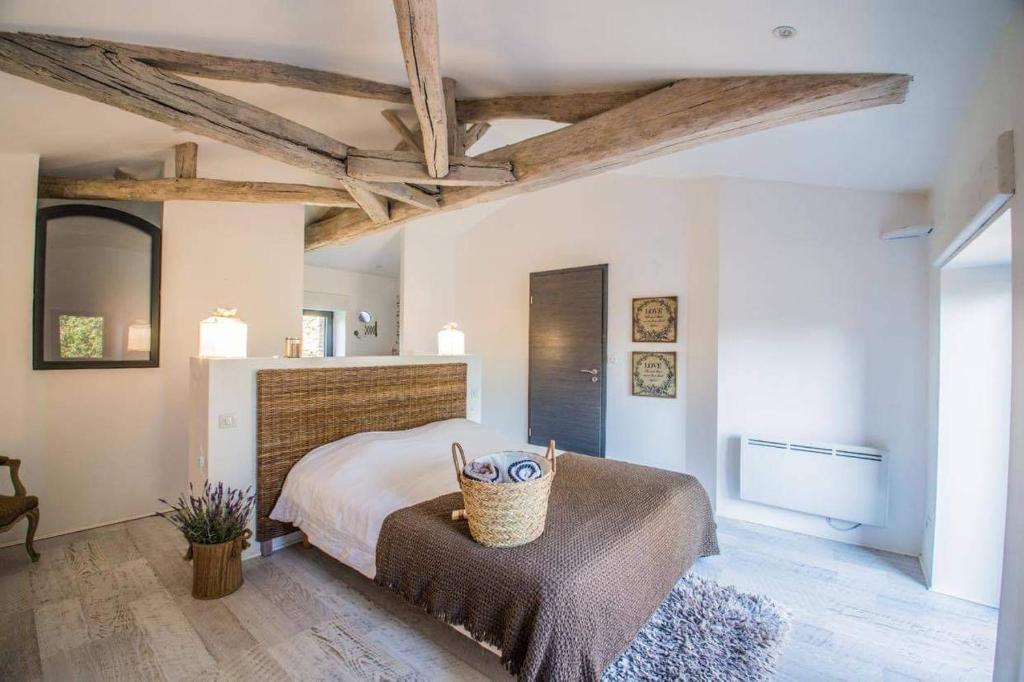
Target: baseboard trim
{"x":924,"y":571}
{"x":843,"y":541}
{"x":78,"y":530}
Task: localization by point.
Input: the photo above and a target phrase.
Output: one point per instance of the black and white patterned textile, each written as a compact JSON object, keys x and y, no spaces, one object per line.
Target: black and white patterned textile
{"x":510,"y":466}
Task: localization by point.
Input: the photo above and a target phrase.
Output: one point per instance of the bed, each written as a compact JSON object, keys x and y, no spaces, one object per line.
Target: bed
{"x":340,"y":493}
{"x":359,"y":459}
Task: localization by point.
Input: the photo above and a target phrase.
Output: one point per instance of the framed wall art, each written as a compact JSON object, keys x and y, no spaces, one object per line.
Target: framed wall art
{"x":655,"y":320}
{"x":654,"y":374}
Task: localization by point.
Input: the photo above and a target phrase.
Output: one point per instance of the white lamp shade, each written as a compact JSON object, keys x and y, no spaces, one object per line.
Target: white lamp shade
{"x":223,"y":337}
{"x":140,"y":337}
{"x":451,"y":340}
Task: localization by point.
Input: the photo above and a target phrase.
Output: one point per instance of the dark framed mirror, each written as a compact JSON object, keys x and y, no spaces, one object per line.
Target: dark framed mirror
{"x":97,"y":289}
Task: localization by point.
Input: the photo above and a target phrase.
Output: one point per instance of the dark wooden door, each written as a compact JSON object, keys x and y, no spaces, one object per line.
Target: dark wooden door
{"x":568,"y":347}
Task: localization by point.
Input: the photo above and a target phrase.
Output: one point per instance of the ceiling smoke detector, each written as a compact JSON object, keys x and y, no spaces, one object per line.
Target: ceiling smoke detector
{"x":784,"y":32}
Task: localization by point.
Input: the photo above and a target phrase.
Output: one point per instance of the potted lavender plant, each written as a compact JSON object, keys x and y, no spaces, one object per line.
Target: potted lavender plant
{"x":216,"y":525}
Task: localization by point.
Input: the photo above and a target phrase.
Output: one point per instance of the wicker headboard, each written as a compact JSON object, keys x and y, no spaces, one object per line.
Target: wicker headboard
{"x":300,"y":409}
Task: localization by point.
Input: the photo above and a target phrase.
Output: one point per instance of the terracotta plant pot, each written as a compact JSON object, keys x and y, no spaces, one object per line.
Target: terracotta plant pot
{"x":217,"y":569}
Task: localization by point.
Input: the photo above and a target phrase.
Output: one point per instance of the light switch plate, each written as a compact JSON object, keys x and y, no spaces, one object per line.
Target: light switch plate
{"x":227,"y":421}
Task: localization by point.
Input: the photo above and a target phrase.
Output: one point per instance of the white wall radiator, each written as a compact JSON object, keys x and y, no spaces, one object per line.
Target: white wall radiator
{"x":842,"y":482}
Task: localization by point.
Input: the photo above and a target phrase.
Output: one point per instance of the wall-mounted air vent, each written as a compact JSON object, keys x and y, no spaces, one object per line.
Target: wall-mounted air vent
{"x":844,"y":482}
{"x":769,"y":443}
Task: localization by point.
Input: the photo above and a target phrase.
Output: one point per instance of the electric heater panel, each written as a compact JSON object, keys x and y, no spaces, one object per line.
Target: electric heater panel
{"x":842,"y":482}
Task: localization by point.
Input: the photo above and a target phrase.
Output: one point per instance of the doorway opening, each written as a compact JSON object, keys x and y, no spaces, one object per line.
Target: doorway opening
{"x":975,"y":346}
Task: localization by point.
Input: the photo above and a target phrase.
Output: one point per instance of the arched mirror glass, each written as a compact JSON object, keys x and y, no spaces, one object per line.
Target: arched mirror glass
{"x":97,"y":289}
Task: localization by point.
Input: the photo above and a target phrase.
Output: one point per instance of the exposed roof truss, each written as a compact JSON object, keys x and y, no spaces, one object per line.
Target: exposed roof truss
{"x":430,"y":170}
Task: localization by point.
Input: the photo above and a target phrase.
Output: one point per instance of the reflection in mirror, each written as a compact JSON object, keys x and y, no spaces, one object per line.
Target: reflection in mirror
{"x":97,"y":289}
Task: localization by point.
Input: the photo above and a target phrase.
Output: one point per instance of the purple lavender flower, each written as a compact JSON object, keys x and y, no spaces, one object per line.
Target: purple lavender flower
{"x":218,"y":515}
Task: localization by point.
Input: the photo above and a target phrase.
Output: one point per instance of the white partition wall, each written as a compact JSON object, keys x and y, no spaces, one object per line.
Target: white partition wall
{"x":222,"y":425}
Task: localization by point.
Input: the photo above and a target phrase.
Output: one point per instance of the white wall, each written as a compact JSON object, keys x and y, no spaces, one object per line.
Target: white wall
{"x":351,"y":292}
{"x":228,"y":387}
{"x":102,"y":445}
{"x":997,"y":106}
{"x":850,"y":330}
{"x":701,"y":336}
{"x":974,"y":432}
{"x":635,"y":225}
{"x":428,"y":273}
{"x":822,"y":337}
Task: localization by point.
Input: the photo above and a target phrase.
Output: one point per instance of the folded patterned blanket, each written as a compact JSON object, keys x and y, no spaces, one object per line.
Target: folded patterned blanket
{"x":507,"y":467}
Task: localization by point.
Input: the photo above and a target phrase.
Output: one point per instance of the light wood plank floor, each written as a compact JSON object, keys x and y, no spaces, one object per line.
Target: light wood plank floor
{"x":113,"y":603}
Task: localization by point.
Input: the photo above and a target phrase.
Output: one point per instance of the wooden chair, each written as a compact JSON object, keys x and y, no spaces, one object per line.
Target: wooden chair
{"x":14,"y":508}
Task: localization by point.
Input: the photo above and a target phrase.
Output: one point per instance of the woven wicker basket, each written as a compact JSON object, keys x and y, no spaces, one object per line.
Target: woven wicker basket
{"x":504,"y":514}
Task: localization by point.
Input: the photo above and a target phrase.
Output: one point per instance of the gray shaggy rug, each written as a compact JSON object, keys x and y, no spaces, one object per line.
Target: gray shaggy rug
{"x":704,"y":631}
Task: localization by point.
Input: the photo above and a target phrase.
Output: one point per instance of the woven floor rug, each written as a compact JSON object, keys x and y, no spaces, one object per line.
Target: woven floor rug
{"x":704,"y":631}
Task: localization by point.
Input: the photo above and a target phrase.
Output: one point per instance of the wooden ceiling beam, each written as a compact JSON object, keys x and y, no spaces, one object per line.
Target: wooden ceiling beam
{"x":406,"y":194}
{"x":412,"y":140}
{"x":685,"y":114}
{"x":566,"y":108}
{"x":186,"y":159}
{"x":217,"y":67}
{"x":373,"y":204}
{"x":104,"y":74}
{"x":381,"y":166}
{"x":352,"y":223}
{"x":455,"y":130}
{"x":193,"y":189}
{"x":473,"y":134}
{"x":417,"y":32}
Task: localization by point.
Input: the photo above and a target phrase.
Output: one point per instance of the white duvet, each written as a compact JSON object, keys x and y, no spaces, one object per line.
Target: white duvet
{"x":340,"y":493}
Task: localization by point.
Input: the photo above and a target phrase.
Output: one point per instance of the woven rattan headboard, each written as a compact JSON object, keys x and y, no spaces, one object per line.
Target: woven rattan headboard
{"x":300,"y":409}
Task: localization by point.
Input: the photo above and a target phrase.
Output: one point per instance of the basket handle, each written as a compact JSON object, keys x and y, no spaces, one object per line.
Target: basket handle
{"x":457,"y":453}
{"x":550,"y":455}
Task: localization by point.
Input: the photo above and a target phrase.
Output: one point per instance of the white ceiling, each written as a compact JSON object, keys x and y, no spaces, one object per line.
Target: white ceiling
{"x":376,"y":254}
{"x":992,"y":246}
{"x":530,"y":46}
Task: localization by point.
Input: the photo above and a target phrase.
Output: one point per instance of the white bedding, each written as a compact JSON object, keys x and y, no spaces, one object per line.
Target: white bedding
{"x":340,"y":493}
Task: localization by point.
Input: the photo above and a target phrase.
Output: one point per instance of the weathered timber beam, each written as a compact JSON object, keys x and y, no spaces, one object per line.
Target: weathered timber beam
{"x":412,"y":140}
{"x":474,"y":133}
{"x":375,"y":206}
{"x":455,"y":145}
{"x":407,"y":194}
{"x":346,"y":222}
{"x":404,"y":145}
{"x":261,"y":71}
{"x":104,"y":74}
{"x":685,"y":114}
{"x":193,"y":189}
{"x":569,"y":108}
{"x":186,"y":159}
{"x":383,"y":166}
{"x":417,"y":32}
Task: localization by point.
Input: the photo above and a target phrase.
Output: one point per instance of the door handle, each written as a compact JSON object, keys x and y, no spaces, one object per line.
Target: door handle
{"x":592,"y":373}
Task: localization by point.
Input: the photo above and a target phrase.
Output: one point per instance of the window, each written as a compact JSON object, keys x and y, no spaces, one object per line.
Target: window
{"x":81,"y":336}
{"x":317,"y":333}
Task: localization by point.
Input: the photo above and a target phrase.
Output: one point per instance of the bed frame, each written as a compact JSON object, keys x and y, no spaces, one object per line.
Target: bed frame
{"x":301,"y":409}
